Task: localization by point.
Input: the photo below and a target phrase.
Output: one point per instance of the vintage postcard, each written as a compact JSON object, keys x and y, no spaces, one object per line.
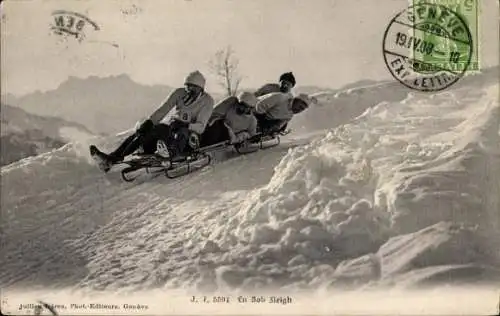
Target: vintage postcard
{"x":250,"y":157}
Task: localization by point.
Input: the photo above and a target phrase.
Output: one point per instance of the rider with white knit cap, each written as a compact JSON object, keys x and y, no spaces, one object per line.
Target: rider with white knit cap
{"x":193,"y":107}
{"x":232,"y":119}
{"x":275,"y":110}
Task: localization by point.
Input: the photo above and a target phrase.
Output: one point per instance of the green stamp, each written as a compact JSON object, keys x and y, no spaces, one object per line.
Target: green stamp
{"x":430,"y":45}
{"x":453,"y":46}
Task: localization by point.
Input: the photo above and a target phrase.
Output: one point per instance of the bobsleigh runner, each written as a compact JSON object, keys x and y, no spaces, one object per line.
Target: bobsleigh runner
{"x":196,"y":160}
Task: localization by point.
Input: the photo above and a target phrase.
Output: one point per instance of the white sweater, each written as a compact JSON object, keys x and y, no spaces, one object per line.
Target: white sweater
{"x":194,"y":112}
{"x":276,"y":106}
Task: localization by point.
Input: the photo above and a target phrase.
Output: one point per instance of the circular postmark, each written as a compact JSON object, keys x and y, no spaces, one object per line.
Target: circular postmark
{"x":427,"y":47}
{"x":69,"y":23}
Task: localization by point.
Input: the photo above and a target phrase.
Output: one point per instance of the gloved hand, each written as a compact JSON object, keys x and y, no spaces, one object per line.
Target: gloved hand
{"x":145,"y":127}
{"x":232,"y":137}
{"x":242,"y":136}
{"x":284,"y":132}
{"x":194,"y":140}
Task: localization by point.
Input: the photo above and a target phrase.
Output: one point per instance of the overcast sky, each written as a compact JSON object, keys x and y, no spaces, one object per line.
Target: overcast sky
{"x":324,"y":42}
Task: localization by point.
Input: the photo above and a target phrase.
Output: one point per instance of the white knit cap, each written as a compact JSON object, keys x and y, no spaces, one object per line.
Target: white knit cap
{"x":196,"y":78}
{"x":248,"y":98}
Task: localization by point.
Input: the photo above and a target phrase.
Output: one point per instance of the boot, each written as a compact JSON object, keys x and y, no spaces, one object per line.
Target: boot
{"x":104,"y":162}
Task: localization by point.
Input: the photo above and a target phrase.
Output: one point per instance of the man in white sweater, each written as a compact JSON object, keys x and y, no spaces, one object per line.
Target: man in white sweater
{"x":276,"y":109}
{"x":193,"y":107}
{"x":232,"y":120}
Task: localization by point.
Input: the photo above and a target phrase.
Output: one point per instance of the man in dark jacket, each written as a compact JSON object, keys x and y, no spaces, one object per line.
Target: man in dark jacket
{"x":286,"y":83}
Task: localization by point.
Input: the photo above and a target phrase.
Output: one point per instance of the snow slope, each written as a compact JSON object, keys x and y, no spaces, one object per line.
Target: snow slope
{"x":403,"y":196}
{"x":24,"y":134}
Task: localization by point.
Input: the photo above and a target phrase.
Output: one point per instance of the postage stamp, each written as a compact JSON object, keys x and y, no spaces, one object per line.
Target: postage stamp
{"x":430,"y":45}
{"x":249,"y":157}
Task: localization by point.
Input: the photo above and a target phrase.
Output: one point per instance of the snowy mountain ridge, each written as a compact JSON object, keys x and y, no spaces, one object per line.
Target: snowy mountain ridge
{"x":397,"y":191}
{"x":24,"y":134}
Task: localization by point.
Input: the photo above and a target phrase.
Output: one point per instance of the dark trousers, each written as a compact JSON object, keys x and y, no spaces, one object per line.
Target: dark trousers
{"x":215,"y":133}
{"x":175,"y":135}
{"x":267,"y":126}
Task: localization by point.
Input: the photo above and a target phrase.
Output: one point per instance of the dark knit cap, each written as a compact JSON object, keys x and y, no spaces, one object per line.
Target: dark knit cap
{"x":288,"y":76}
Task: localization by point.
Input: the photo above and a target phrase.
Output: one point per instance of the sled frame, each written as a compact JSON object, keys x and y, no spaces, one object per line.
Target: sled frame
{"x":169,"y":167}
{"x":261,"y":140}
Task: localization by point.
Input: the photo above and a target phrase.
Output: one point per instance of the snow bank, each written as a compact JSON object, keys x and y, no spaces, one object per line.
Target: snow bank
{"x":442,"y":253}
{"x":457,"y":183}
{"x":332,"y":109}
{"x":363,"y":205}
{"x":396,"y":169}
